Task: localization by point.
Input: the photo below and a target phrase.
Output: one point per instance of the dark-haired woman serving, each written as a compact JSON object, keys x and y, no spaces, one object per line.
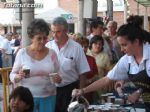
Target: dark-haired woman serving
{"x":134,"y":65}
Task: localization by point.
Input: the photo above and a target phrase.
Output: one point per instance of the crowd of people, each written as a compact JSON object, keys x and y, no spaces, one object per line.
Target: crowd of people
{"x":132,"y":66}
{"x":82,"y":64}
{"x":9,"y":45}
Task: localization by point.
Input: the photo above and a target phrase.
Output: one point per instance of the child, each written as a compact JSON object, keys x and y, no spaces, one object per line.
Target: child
{"x":21,"y":100}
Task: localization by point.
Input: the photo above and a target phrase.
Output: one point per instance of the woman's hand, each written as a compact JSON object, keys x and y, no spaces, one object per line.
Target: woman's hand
{"x":119,"y":88}
{"x":134,"y":97}
{"x":77,"y":92}
{"x":119,"y":84}
{"x":57,"y":78}
{"x":19,"y":76}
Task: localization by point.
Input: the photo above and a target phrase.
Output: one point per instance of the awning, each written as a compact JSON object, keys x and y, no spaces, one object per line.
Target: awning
{"x":7,"y":17}
{"x":52,"y":13}
{"x":145,"y":3}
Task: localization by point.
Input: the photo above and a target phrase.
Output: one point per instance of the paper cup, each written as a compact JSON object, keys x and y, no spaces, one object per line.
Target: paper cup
{"x":111,"y":99}
{"x":104,"y":98}
{"x":51,"y":77}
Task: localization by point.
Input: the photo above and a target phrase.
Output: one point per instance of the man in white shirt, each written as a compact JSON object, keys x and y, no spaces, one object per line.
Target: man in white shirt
{"x":6,"y":53}
{"x":72,"y":60}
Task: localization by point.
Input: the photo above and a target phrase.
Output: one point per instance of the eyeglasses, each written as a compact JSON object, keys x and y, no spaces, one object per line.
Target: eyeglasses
{"x":56,"y":32}
{"x":42,"y":38}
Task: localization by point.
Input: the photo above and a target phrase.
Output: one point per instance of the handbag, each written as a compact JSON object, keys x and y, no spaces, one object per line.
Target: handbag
{"x":80,"y":105}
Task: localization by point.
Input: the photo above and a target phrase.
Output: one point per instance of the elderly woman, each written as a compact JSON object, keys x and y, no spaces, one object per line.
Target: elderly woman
{"x":40,"y":62}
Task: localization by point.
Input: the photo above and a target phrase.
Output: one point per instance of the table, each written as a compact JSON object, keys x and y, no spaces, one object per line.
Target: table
{"x":136,"y":109}
{"x":114,"y":108}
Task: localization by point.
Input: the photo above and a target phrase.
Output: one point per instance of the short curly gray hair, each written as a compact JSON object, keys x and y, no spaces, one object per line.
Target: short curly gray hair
{"x":37,"y":26}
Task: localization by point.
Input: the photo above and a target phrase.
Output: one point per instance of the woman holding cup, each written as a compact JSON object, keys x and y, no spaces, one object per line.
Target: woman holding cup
{"x":34,"y":64}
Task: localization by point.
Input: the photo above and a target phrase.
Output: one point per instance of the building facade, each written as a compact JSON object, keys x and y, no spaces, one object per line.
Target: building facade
{"x":133,"y":8}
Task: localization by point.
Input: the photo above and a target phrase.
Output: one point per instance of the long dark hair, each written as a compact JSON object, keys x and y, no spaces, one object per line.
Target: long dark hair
{"x":132,"y":32}
{"x":138,"y":21}
{"x":25,"y":95}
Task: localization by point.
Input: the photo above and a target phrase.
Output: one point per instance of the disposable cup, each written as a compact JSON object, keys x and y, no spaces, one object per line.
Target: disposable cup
{"x":51,"y":77}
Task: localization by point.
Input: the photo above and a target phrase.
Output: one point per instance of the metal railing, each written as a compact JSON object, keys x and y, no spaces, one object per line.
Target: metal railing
{"x":6,"y":86}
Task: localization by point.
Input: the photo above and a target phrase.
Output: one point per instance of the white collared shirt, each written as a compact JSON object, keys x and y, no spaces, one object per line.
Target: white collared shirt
{"x":72,"y":61}
{"x":119,"y":72}
{"x":5,"y":45}
{"x":89,"y":37}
